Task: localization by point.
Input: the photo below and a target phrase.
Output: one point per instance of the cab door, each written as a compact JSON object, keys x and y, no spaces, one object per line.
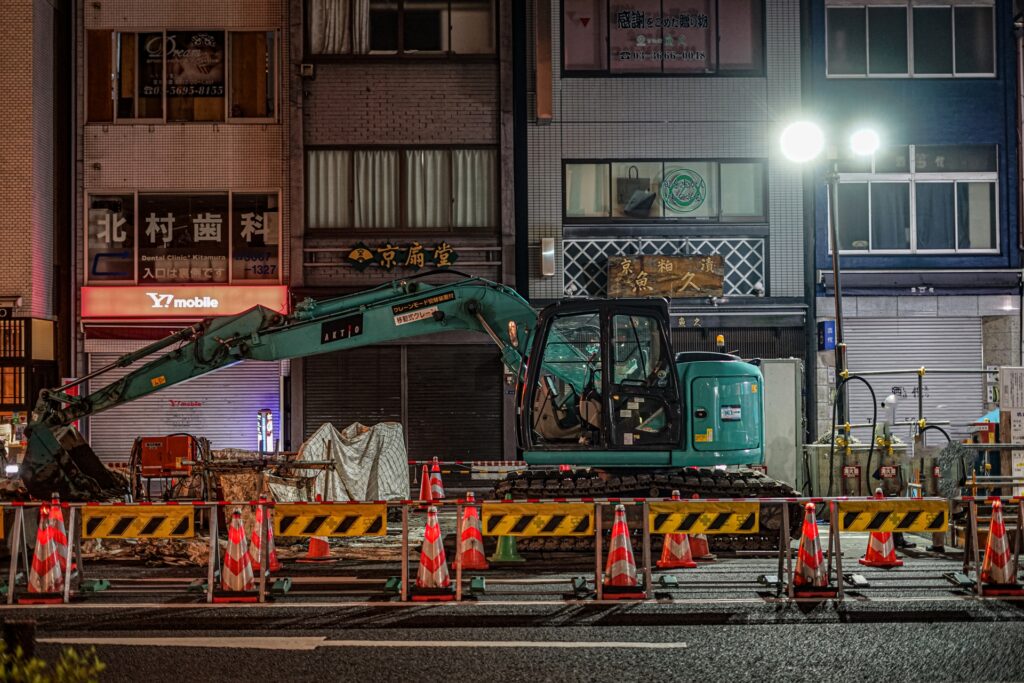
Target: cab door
{"x":643,"y":394}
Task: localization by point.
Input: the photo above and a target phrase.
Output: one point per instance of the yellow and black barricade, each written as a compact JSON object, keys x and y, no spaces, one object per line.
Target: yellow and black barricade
{"x":334,"y":520}
{"x":893,"y":514}
{"x":538,"y":519}
{"x":704,"y":517}
{"x":138,"y":521}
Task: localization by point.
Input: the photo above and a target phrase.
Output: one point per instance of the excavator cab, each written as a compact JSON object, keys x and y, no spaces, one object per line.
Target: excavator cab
{"x":601,"y":378}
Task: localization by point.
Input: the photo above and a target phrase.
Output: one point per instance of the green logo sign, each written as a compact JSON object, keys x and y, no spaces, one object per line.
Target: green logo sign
{"x":683,"y":190}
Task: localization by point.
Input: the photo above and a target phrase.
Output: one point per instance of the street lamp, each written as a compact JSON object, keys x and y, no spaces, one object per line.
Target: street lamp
{"x":801,"y":142}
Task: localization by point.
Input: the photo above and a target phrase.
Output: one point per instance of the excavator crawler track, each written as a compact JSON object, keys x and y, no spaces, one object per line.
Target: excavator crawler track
{"x":707,"y":483}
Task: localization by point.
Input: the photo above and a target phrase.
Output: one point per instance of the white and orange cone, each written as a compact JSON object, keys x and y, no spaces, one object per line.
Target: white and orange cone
{"x":472,"y":556}
{"x":46,"y":574}
{"x":620,"y":569}
{"x":236,"y":574}
{"x":436,"y":486}
{"x":881,"y":550}
{"x":256,"y":540}
{"x":699,"y":544}
{"x":810,"y":572}
{"x":425,"y":485}
{"x":998,"y":569}
{"x":59,"y":531}
{"x":432,"y":579}
{"x":319,"y":550}
{"x":675,"y":550}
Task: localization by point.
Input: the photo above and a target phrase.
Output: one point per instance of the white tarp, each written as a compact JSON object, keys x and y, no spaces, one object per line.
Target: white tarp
{"x":370,"y":463}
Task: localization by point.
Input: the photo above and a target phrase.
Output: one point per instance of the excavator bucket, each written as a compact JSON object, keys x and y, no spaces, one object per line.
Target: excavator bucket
{"x":59,"y":461}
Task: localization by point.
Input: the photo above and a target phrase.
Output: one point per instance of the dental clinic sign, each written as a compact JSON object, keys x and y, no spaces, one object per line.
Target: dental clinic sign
{"x":179,"y":301}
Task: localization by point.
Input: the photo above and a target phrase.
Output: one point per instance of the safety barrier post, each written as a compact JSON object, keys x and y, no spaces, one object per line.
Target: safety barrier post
{"x":974,"y":548}
{"x":264,"y":532}
{"x":68,"y":555}
{"x":835,"y":547}
{"x":598,"y":577}
{"x":17,"y":540}
{"x":214,"y":553}
{"x":405,"y":552}
{"x":785,"y":568}
{"x":648,"y":589}
{"x":458,"y":551}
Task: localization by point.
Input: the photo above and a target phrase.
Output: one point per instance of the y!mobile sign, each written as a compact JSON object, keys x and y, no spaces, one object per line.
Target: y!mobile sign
{"x":179,"y":301}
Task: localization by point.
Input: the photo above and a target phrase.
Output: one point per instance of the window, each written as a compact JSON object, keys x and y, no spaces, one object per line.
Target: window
{"x":181,"y":76}
{"x":416,"y":189}
{"x":182,"y":238}
{"x":890,"y":39}
{"x":919,"y":198}
{"x":401,"y":27}
{"x":672,"y":37}
{"x":665,"y":190}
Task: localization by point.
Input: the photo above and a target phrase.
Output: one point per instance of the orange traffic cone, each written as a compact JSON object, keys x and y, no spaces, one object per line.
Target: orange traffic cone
{"x":699,"y":543}
{"x":436,"y":487}
{"x":810,"y":576}
{"x":472,"y":556}
{"x":319,"y":550}
{"x":425,"y":485}
{"x":46,"y":575}
{"x":236,"y":573}
{"x":432,"y":580}
{"x":58,"y":530}
{"x":256,"y":544}
{"x":675,"y":550}
{"x":620,"y":570}
{"x":881,"y":551}
{"x":998,"y":573}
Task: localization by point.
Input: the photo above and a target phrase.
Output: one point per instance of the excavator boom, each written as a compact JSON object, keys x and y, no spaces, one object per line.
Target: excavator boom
{"x":59,"y":461}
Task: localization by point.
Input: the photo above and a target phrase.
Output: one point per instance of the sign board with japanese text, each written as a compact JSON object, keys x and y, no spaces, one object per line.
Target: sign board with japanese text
{"x":179,"y":301}
{"x":1011,"y":408}
{"x":414,"y":255}
{"x":670,"y":276}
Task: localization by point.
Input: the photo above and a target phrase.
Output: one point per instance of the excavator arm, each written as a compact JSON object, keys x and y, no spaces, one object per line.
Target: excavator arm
{"x":58,"y":460}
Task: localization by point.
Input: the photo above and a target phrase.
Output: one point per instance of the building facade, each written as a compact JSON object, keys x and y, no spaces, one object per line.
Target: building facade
{"x":182,"y":200}
{"x":401,"y":162}
{"x":35,"y":177}
{"x":653,"y":167}
{"x":928,"y":227}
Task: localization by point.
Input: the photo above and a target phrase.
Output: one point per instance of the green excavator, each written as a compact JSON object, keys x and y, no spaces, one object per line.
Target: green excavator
{"x":599,"y":390}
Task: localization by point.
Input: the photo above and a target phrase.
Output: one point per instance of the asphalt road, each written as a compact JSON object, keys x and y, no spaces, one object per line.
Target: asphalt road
{"x":718,"y":624}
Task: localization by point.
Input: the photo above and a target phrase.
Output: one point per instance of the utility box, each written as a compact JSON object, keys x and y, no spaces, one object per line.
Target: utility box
{"x":783,"y":419}
{"x":164,"y":456}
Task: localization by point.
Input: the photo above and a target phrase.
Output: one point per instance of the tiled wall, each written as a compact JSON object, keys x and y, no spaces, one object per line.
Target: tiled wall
{"x":666,"y":117}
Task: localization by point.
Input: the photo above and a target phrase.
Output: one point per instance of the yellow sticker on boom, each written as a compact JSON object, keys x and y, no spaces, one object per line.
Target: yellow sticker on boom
{"x":538,"y":519}
{"x":906,"y":514}
{"x":334,"y":520}
{"x":703,"y":517}
{"x":158,"y":381}
{"x":138,"y":521}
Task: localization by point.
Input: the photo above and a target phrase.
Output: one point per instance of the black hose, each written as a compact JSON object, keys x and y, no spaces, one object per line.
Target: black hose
{"x":832,"y":441}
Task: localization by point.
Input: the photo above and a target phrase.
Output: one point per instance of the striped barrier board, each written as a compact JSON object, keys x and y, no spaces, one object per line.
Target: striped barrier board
{"x":138,"y":521}
{"x":337,"y":520}
{"x":704,"y":517}
{"x":538,"y":519}
{"x":907,"y":514}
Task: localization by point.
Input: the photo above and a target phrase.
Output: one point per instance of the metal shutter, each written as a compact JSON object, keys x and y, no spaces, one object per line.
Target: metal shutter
{"x":360,"y":385}
{"x":455,"y":402}
{"x":882,"y":344}
{"x":221,"y":406}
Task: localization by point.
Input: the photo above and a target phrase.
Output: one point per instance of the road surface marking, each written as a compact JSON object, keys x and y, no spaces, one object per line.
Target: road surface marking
{"x":307,"y":643}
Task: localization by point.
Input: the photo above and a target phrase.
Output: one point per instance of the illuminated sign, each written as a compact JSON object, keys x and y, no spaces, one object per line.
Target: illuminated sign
{"x":180,"y":301}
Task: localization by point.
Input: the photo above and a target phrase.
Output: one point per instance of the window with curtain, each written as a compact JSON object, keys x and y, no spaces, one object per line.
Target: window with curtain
{"x":873,"y":39}
{"x":400,"y":27}
{"x":920,"y":199}
{"x":414,"y":189}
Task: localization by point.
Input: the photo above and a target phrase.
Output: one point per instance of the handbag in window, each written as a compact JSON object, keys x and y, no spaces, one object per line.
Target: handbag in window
{"x":639,"y":205}
{"x":626,"y":187}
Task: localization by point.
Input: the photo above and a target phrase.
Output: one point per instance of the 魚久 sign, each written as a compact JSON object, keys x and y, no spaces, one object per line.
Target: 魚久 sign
{"x":671,"y":276}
